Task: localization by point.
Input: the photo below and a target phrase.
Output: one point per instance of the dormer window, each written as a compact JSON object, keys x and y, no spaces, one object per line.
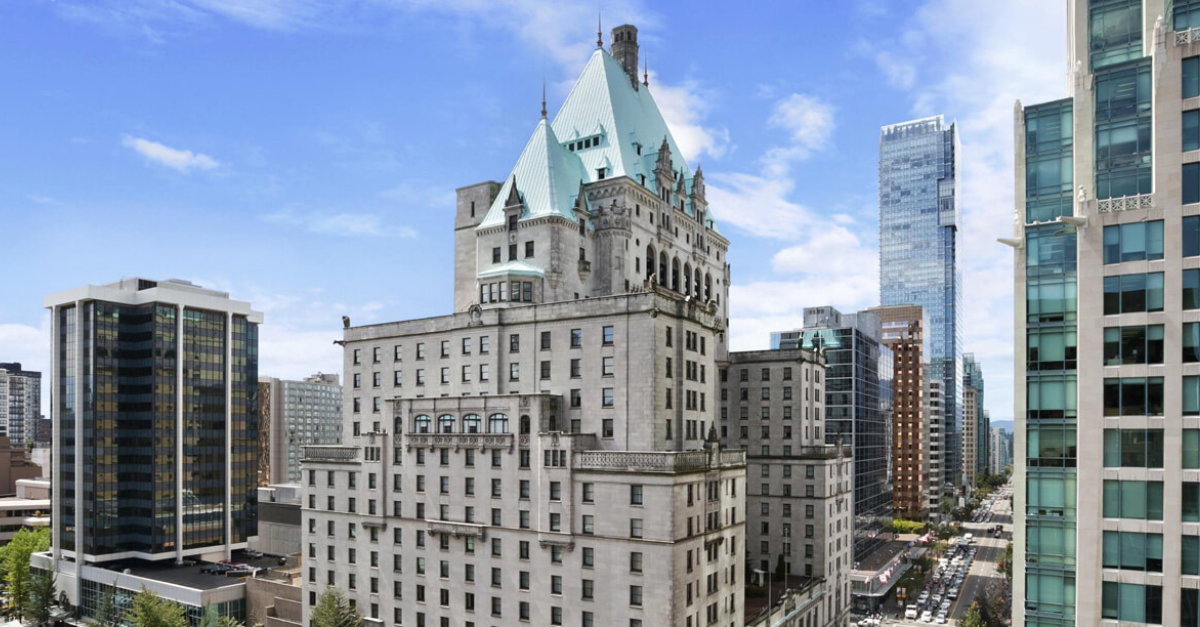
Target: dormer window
{"x":642,"y":179}
{"x":512,"y":221}
{"x":600,"y":173}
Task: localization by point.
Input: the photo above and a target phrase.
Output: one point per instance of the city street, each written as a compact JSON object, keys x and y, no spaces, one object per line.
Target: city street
{"x":984,"y":571}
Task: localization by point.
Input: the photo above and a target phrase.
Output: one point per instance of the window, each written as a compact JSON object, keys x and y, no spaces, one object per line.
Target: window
{"x":496,"y":255}
{"x":1191,"y":448}
{"x":1191,"y":77}
{"x":1134,"y":345}
{"x":1138,"y":292}
{"x":357,"y":356}
{"x":1134,"y":396}
{"x":635,"y":495}
{"x":576,"y":398}
{"x":1136,"y":241}
{"x":607,"y":368}
{"x":1133,"y":448}
{"x":498,"y":423}
{"x":606,"y":428}
{"x":1131,"y":602}
{"x":1191,"y":289}
{"x":514,"y":372}
{"x":635,"y":527}
{"x":514,"y":343}
{"x":528,"y":249}
{"x":635,"y":562}
{"x":608,"y":336}
{"x":607,"y":397}
{"x":1135,"y":551}
{"x":545,"y":340}
{"x":484,"y":344}
{"x":635,"y":596}
{"x":1141,"y":500}
{"x":576,"y":338}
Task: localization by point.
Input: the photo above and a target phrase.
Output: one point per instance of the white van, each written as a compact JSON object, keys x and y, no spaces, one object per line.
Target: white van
{"x":910,"y":612}
{"x":970,"y":538}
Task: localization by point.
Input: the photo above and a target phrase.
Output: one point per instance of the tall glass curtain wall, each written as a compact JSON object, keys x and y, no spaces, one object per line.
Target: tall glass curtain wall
{"x":858,"y":380}
{"x":1050,"y":420}
{"x":129,"y":369}
{"x":918,"y":252}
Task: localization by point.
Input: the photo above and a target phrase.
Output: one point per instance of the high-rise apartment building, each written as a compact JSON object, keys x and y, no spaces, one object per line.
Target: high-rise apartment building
{"x":154,"y":412}
{"x":20,"y":403}
{"x":911,"y":452}
{"x":970,"y":439}
{"x":858,"y":408}
{"x":295,"y":414}
{"x":1107,"y":235}
{"x":973,"y":379}
{"x":548,"y":452}
{"x":798,"y":492}
{"x":935,"y":434}
{"x":919,"y":216}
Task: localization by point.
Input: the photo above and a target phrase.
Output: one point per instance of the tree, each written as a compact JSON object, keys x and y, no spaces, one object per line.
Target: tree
{"x":973,"y":617}
{"x":14,"y":564}
{"x":40,"y":602}
{"x":150,"y":610}
{"x":332,"y":610}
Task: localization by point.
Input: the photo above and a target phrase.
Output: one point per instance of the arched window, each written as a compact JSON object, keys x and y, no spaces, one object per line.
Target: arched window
{"x":687,"y":279}
{"x":422,"y":424}
{"x":525,"y":422}
{"x":446,"y":423}
{"x":675,"y":274}
{"x":472,"y":423}
{"x":663,"y":276}
{"x":497,"y":423}
{"x":552,"y":423}
{"x":649,"y":261}
{"x":707,"y":286}
{"x":696,"y":286}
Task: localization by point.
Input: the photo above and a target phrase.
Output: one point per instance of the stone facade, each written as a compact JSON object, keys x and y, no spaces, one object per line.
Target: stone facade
{"x":799,"y":489}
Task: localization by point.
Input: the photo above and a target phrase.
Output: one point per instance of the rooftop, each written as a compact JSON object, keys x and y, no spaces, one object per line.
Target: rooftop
{"x":880,"y":558}
{"x":755,"y":605}
{"x":189,"y":576}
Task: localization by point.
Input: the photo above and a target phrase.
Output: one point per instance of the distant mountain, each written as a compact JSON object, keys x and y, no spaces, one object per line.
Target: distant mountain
{"x":1007,"y":425}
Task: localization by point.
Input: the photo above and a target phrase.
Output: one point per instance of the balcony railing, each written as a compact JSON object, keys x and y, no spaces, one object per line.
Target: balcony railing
{"x":459,"y":440}
{"x":1125,"y":203}
{"x":1184,"y":37}
{"x":457,"y":529}
{"x":331,"y":454}
{"x":633,"y":461}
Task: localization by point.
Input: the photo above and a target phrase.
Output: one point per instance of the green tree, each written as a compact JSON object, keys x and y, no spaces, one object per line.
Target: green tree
{"x":150,"y":610}
{"x":108,"y":614}
{"x":973,"y":617}
{"x":332,"y":610}
{"x":14,"y":564}
{"x":40,"y":602}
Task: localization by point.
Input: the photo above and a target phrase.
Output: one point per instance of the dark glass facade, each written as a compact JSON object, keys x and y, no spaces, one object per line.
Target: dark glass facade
{"x":125,"y":487}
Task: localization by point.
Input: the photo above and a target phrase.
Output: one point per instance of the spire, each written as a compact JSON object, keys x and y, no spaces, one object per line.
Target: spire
{"x":543,"y":99}
{"x":514,"y":196}
{"x":599,"y":31}
{"x":646,"y":69}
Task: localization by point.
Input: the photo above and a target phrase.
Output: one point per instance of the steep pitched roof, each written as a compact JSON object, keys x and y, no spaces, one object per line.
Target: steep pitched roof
{"x":603,"y":98}
{"x":547,"y":178}
{"x":602,"y":103}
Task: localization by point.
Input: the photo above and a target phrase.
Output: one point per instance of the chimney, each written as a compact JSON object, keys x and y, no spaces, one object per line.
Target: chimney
{"x":625,"y":50}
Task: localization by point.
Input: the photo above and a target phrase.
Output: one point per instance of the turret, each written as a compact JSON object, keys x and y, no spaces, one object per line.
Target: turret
{"x":625,"y":50}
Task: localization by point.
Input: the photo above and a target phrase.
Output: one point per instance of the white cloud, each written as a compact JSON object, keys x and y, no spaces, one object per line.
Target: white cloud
{"x":757,"y":204}
{"x":808,"y":119}
{"x":30,"y":346}
{"x":174,"y":158}
{"x":340,"y":224}
{"x":685,"y":107}
{"x":900,"y":72}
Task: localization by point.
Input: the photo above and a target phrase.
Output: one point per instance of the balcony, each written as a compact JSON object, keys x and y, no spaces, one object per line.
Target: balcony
{"x":584,"y":266}
{"x":459,"y":440}
{"x":1184,"y":37}
{"x":633,"y":461}
{"x":457,"y":529}
{"x":331,"y":454}
{"x":563,"y":540}
{"x":1125,"y":203}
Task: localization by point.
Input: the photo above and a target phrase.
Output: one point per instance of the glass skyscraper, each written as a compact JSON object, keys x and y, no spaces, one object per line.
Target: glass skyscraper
{"x":858,"y":408}
{"x":918,"y":251}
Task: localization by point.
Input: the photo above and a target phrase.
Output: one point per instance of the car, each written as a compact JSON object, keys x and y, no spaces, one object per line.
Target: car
{"x":953,"y":594}
{"x":941,"y":619}
{"x":927,"y":617}
{"x":910,"y":612}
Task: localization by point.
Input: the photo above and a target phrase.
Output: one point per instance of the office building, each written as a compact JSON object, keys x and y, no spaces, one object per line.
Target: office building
{"x":20,"y":403}
{"x":970,"y":439}
{"x":858,"y":408}
{"x":1107,"y":233}
{"x":999,"y":457}
{"x":295,"y":414}
{"x":919,"y":216}
{"x":911,"y":450}
{"x":798,"y":493}
{"x":155,"y":421}
{"x":548,"y":453}
{"x":935,"y":433}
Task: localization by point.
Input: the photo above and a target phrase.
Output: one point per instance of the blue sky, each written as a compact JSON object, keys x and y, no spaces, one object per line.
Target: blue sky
{"x":303,"y":154}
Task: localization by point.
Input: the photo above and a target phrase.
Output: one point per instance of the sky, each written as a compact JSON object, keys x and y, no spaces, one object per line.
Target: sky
{"x":303,"y":154}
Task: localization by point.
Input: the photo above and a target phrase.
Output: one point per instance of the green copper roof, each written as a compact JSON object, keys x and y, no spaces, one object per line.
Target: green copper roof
{"x":547,"y":177}
{"x":604,"y":99}
{"x":512,"y":267}
{"x":604,"y":111}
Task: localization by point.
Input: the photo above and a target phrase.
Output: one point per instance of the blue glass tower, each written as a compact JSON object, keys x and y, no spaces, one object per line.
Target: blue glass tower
{"x":918,"y":251}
